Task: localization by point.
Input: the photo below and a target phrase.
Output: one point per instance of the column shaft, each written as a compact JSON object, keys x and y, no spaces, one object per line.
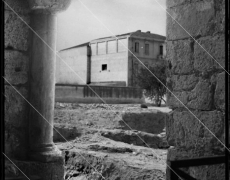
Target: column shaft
{"x":42,"y":85}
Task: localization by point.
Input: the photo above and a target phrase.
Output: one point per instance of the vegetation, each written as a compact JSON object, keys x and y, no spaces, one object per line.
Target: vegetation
{"x":153,"y":88}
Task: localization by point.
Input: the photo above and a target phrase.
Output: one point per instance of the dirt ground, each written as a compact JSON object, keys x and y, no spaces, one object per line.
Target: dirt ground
{"x":96,"y":144}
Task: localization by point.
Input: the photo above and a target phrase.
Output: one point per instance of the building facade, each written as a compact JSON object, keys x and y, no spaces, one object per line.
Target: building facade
{"x":110,"y":61}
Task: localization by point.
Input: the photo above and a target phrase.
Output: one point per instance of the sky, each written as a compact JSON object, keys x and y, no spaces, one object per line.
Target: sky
{"x":86,"y":20}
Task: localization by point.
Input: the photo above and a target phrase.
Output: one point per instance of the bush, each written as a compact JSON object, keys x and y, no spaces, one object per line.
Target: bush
{"x":153,"y":88}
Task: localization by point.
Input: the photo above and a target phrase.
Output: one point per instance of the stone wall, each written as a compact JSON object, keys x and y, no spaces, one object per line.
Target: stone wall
{"x":84,"y":94}
{"x":16,"y":72}
{"x":198,"y":81}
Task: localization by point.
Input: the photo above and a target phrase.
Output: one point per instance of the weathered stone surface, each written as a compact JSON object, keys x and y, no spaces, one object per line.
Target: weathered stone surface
{"x":16,"y":67}
{"x":146,"y":121}
{"x":180,"y":54}
{"x":184,"y":130}
{"x":200,"y":172}
{"x":16,"y":122}
{"x":199,"y":98}
{"x":59,"y":5}
{"x":184,"y":82}
{"x":19,"y":6}
{"x":16,"y":31}
{"x":196,"y":18}
{"x":172,"y":3}
{"x":215,"y":46}
{"x":198,"y":82}
{"x":16,"y":142}
{"x":16,"y":106}
{"x":220,"y":15}
{"x":219,"y":97}
{"x":46,"y":171}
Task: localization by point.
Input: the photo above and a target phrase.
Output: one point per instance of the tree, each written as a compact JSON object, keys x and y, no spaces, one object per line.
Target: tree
{"x":153,"y":88}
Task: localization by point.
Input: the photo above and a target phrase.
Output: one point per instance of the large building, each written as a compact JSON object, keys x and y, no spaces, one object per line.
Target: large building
{"x":110,"y":61}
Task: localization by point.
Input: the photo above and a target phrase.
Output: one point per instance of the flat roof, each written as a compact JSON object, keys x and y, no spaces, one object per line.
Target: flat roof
{"x":137,"y":33}
{"x":80,"y":45}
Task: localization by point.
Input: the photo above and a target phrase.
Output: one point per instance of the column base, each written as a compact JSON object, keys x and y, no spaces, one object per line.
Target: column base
{"x":49,"y":154}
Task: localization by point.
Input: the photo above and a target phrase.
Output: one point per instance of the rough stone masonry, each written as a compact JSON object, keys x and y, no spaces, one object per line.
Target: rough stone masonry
{"x":29,"y":69}
{"x":198,"y":81}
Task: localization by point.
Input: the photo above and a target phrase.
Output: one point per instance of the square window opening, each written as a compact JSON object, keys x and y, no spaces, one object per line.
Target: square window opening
{"x":104,"y":67}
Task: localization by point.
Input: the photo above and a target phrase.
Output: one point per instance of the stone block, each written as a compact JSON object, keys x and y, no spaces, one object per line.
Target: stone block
{"x":184,"y":130}
{"x":145,"y":120}
{"x":19,"y":6}
{"x":219,"y":97}
{"x":180,"y":54}
{"x":16,"y":108}
{"x":215,"y":46}
{"x":184,"y":82}
{"x":201,"y":97}
{"x":16,"y":31}
{"x":16,"y":67}
{"x":199,"y":172}
{"x":197,"y":18}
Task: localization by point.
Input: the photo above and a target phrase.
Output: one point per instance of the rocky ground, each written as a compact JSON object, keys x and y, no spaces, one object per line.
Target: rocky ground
{"x":97,"y":141}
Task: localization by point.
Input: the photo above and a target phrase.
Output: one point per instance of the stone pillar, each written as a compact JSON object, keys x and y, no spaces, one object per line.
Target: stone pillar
{"x":198,"y":81}
{"x":42,"y":78}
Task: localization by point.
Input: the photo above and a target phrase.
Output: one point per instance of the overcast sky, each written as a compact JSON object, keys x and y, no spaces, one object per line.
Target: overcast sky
{"x":77,"y":25}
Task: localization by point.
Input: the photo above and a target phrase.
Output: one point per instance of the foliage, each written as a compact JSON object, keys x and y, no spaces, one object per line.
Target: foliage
{"x":153,"y":88}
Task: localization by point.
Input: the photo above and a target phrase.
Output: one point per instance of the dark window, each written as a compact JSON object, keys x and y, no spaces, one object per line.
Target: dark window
{"x":104,"y":67}
{"x":137,"y":47}
{"x":146,"y":49}
{"x":161,"y":50}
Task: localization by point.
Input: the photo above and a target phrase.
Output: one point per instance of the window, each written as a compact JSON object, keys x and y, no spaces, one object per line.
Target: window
{"x":136,"y":47}
{"x":146,"y":49}
{"x":161,"y":50}
{"x":104,"y":67}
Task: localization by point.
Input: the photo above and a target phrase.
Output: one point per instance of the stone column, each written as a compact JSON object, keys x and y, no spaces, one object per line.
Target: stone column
{"x":42,"y":78}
